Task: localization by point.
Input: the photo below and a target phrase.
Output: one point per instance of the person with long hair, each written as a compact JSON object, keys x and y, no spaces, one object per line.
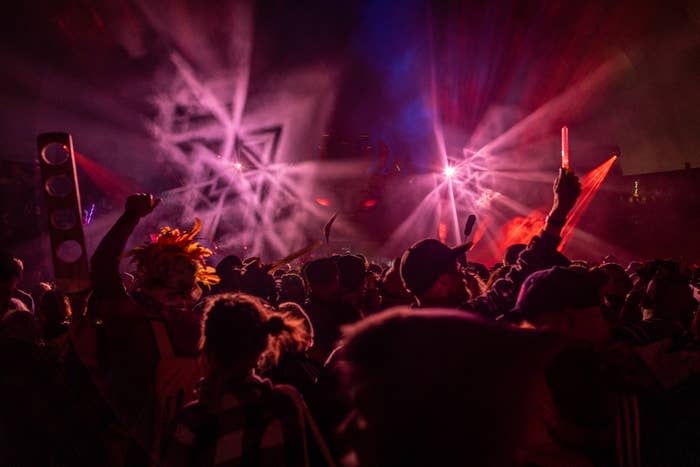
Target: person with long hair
{"x":241,"y":418}
{"x":293,"y":364}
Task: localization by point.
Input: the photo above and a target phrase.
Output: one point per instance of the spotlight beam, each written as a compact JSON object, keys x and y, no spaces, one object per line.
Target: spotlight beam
{"x":453,"y":214}
{"x":574,"y":98}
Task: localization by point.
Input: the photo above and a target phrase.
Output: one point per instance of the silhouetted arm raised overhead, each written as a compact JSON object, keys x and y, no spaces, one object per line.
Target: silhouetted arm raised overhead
{"x":105,"y":260}
{"x":541,"y":253}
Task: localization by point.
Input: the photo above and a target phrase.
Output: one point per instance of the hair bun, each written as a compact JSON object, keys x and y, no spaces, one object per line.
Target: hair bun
{"x":275,"y":326}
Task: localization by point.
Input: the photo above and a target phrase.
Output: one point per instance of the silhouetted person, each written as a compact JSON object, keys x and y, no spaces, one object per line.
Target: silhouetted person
{"x":17,"y":321}
{"x":293,"y":365}
{"x":576,"y":418}
{"x":229,"y":272}
{"x":291,"y":288}
{"x":429,"y":268}
{"x":437,"y":387}
{"x":256,"y":280}
{"x":393,"y":291}
{"x":324,"y":306}
{"x":510,"y":257}
{"x":615,"y":290}
{"x":148,"y":338}
{"x":53,"y":314}
{"x":660,"y":305}
{"x":240,"y":418}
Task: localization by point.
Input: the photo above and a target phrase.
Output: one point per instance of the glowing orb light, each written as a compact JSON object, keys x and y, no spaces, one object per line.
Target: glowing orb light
{"x":449,"y":171}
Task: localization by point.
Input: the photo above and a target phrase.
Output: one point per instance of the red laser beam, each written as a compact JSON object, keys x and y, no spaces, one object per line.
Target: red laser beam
{"x":107,"y":182}
{"x":522,"y":229}
{"x":481,"y":227}
{"x":590,"y":184}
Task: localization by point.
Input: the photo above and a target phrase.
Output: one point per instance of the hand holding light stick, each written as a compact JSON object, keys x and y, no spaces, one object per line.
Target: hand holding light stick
{"x":565,"y":148}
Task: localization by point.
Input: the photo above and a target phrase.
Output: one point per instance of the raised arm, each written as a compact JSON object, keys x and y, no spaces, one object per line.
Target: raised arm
{"x":541,"y":252}
{"x":105,"y":260}
{"x":566,"y":191}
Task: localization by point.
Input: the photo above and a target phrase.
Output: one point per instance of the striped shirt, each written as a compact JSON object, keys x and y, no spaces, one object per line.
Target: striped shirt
{"x":255,"y":424}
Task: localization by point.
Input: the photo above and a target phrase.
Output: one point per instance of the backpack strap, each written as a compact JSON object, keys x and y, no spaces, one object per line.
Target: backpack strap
{"x":169,"y":392}
{"x":305,"y":418}
{"x":160,"y":332}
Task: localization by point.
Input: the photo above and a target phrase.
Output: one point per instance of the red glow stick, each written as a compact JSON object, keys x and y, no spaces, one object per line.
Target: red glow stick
{"x":565,"y":147}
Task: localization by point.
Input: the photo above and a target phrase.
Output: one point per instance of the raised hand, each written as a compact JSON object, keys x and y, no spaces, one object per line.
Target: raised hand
{"x":141,"y":204}
{"x":567,"y":189}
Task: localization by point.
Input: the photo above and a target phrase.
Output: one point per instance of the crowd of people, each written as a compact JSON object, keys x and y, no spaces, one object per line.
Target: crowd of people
{"x":432,"y":360}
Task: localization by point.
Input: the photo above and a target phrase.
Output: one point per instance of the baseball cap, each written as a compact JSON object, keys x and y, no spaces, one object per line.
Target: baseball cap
{"x":425,"y":261}
{"x":557,"y":289}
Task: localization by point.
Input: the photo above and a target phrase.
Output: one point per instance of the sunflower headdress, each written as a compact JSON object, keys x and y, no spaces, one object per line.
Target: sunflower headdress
{"x":174,"y":252}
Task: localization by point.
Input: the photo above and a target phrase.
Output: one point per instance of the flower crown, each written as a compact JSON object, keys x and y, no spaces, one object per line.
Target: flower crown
{"x":171,"y":240}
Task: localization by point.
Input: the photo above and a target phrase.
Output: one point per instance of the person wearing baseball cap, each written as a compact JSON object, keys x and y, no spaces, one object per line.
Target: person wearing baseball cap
{"x":581,"y":412}
{"x":430,"y":273}
{"x":564,"y":300}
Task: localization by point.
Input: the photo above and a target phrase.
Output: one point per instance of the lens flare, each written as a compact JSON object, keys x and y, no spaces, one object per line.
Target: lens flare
{"x":449,"y":171}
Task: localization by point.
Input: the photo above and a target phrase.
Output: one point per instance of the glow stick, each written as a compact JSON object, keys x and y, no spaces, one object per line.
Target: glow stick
{"x":565,"y":147}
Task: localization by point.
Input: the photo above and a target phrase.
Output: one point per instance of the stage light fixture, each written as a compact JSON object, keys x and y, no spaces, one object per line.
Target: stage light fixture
{"x":62,"y":199}
{"x":449,"y":171}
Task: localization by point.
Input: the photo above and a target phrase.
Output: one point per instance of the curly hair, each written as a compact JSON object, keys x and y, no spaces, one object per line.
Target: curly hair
{"x":172,"y":250}
{"x":238,"y":326}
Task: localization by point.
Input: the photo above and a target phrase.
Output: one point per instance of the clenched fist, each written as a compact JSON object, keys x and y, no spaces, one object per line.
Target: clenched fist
{"x":141,"y":204}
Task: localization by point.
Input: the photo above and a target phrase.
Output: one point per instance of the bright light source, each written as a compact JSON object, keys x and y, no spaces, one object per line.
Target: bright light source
{"x":369,"y":203}
{"x":238,"y":166}
{"x":323,"y":201}
{"x":442,"y":232}
{"x":449,"y":171}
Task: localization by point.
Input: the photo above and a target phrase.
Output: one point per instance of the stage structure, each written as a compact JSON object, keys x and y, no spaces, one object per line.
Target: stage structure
{"x":62,"y":199}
